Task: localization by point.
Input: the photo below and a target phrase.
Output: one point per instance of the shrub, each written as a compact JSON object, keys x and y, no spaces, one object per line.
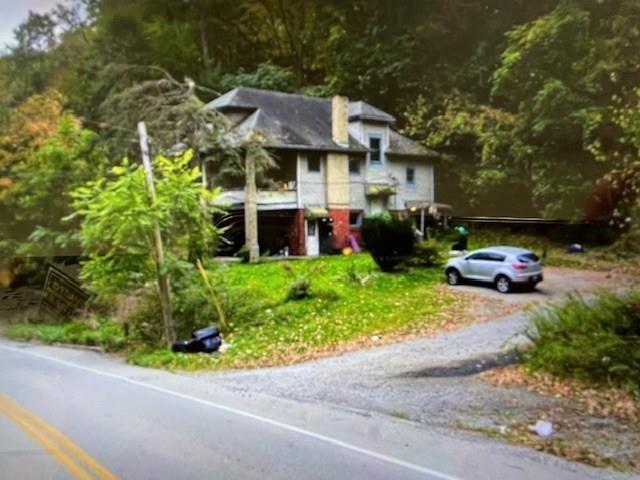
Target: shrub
{"x":243,"y":254}
{"x":389,"y":240}
{"x":596,"y":341}
{"x":145,"y":321}
{"x":426,"y":254}
{"x":300,"y":289}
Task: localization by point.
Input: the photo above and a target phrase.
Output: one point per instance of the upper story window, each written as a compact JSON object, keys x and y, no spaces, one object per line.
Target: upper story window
{"x":411,"y":176}
{"x":354,"y":166}
{"x":375,"y":145}
{"x":313,"y":162}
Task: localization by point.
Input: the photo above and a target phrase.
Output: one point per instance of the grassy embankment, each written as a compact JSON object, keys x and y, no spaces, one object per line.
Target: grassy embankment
{"x":350,"y":302}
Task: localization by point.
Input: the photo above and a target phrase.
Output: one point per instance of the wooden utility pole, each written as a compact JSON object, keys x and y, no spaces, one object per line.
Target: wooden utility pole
{"x":164,"y":285}
{"x":251,"y":209}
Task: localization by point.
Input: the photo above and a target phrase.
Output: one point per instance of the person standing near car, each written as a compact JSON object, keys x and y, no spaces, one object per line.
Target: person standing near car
{"x":463,"y":240}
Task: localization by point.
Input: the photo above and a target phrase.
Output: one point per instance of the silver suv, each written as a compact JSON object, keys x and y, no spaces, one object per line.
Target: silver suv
{"x":502,"y":266}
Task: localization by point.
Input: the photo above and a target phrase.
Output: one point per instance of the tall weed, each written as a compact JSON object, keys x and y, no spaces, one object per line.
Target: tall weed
{"x":594,"y":340}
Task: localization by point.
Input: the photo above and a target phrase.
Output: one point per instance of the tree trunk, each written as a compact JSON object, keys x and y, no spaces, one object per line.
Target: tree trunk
{"x":251,"y":209}
{"x":164,"y":285}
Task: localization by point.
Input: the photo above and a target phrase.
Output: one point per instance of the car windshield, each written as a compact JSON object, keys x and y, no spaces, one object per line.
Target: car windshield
{"x":294,"y":239}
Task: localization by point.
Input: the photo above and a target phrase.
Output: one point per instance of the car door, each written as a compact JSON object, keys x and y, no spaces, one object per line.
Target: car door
{"x":491,"y":265}
{"x":476,"y":266}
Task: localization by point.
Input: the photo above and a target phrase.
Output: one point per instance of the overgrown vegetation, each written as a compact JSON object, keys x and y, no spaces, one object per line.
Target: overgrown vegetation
{"x":427,"y":253}
{"x":596,"y":341}
{"x":553,"y":248}
{"x":535,"y":99}
{"x":265,"y":328}
{"x":390,"y":240}
{"x":105,"y":333}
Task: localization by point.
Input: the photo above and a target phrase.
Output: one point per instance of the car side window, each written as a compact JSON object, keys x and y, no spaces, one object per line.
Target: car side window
{"x":487,"y":256}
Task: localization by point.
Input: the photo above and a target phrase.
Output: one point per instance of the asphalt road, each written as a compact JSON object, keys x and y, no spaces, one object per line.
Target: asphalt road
{"x":77,"y":414}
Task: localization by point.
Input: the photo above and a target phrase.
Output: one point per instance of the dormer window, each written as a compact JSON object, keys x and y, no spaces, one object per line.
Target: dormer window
{"x":375,"y":154}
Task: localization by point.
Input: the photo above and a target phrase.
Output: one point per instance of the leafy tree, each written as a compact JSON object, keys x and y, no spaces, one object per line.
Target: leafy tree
{"x":40,"y":196}
{"x":44,"y":154}
{"x":267,"y":76}
{"x":178,"y":118}
{"x":118,"y":223}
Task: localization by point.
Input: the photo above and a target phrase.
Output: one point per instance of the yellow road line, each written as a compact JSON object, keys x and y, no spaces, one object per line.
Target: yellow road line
{"x":54,"y":441}
{"x":77,"y":472}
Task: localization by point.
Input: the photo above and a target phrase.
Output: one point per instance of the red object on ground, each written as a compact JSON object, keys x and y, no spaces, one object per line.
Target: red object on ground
{"x":341,"y":228}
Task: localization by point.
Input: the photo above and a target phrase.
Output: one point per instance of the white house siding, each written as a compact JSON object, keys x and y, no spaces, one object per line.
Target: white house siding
{"x":312,"y":188}
{"x":422,"y":190}
{"x":392,"y":171}
{"x":357,"y":198}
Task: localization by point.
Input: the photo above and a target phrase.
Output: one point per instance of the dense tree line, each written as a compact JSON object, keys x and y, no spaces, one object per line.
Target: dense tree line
{"x":530,"y":102}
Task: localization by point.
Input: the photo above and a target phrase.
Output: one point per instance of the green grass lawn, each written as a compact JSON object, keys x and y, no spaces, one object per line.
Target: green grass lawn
{"x":106,"y":333}
{"x":351,"y":300}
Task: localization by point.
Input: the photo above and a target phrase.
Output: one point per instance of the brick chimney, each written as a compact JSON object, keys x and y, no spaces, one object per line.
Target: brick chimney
{"x":340,"y":120}
{"x":337,"y":173}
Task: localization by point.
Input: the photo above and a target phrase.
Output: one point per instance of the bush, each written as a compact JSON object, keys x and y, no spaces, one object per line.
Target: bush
{"x":426,"y":254}
{"x":389,"y":240}
{"x":243,"y":254}
{"x":596,"y":341}
{"x":300,"y":289}
{"x":145,"y":321}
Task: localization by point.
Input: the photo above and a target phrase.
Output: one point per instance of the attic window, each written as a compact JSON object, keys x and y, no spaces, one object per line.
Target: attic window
{"x":375,"y":154}
{"x":313,"y":162}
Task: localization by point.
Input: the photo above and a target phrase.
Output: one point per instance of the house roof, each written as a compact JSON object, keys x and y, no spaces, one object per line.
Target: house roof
{"x":404,"y":146}
{"x":364,"y":111}
{"x":287,"y":120}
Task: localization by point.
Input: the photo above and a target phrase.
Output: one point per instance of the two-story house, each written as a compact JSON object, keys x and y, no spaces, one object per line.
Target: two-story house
{"x":337,"y":162}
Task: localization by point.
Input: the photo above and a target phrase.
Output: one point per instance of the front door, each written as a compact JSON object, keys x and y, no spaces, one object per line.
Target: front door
{"x":313,"y":238}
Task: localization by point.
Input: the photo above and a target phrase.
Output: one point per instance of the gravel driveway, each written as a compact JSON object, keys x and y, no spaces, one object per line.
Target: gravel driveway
{"x":558,"y":282}
{"x":431,"y":380}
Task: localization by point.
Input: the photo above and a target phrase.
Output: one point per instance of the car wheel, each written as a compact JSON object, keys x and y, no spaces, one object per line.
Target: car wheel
{"x":503,"y":284}
{"x":453,"y":277}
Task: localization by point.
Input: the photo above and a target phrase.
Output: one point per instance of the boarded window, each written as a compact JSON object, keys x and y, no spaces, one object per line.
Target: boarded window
{"x":354,"y":166}
{"x":313,"y":162}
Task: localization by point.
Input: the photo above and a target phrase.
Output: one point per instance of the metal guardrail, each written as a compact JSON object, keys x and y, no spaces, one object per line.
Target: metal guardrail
{"x":524,"y":221}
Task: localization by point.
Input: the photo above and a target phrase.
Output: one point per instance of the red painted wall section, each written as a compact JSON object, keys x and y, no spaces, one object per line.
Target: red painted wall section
{"x":341,"y":228}
{"x":297,"y":244}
